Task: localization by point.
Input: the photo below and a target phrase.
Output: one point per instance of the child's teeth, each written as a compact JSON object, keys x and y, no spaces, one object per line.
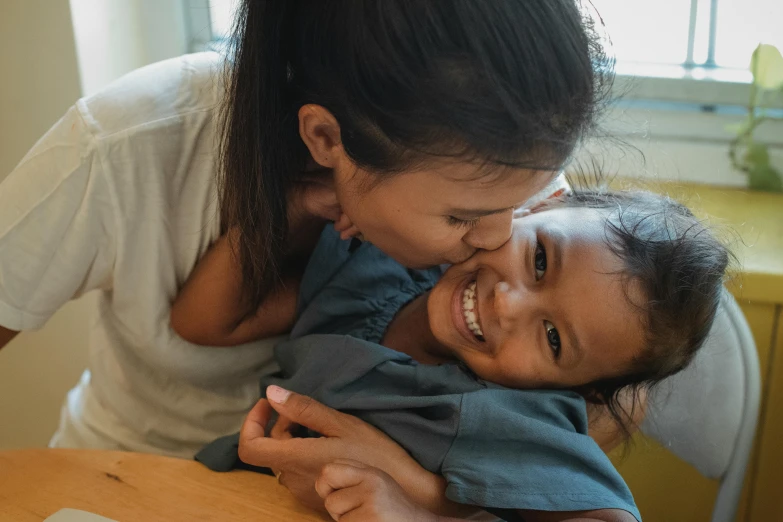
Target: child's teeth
{"x":468,"y":305}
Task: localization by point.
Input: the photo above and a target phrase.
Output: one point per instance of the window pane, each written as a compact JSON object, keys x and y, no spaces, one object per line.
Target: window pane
{"x":652,"y":31}
{"x":221,"y":14}
{"x":742,"y":25}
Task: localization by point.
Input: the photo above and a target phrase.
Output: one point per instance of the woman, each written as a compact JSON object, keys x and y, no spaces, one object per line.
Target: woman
{"x":460,"y":110}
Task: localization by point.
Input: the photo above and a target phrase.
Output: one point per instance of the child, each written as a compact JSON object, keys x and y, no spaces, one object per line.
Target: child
{"x":594,"y":292}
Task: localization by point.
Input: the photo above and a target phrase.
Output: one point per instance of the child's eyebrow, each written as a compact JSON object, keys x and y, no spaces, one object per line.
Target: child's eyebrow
{"x":576,"y":352}
{"x":556,"y":240}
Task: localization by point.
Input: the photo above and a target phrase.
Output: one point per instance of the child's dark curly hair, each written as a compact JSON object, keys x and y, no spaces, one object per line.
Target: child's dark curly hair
{"x":680,"y":266}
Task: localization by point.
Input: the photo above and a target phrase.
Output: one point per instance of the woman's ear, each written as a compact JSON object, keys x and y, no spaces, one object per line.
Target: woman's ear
{"x":320,"y":132}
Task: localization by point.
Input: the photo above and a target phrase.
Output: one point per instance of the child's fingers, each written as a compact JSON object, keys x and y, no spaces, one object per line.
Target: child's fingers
{"x":346,"y":228}
{"x":350,"y":232}
{"x":340,"y":474}
{"x":343,"y":223}
{"x":363,"y":514}
{"x":342,"y":502}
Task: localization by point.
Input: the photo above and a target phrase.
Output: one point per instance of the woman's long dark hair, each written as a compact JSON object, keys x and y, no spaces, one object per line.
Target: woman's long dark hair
{"x":501,"y":82}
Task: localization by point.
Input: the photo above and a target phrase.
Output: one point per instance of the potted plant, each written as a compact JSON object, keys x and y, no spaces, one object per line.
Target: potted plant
{"x":746,"y":153}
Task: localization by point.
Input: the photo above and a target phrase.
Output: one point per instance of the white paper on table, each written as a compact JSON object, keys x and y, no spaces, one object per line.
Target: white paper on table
{"x":76,"y":515}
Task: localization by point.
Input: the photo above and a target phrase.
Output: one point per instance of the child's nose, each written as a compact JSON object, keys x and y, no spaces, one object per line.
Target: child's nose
{"x":510,"y":303}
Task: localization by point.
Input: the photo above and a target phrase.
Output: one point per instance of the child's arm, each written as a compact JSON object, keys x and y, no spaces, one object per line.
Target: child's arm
{"x":353,"y":492}
{"x":209,"y":309}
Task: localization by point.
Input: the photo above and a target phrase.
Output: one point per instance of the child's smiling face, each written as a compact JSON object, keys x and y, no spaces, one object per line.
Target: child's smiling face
{"x":550,"y":308}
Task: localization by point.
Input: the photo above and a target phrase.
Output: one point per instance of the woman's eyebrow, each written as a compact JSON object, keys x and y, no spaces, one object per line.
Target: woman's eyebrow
{"x":476,"y":212}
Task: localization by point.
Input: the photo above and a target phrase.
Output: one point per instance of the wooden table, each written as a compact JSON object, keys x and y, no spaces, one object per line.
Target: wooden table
{"x":129,"y":487}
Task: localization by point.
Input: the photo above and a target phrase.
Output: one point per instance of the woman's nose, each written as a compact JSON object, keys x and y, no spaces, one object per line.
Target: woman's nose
{"x":491,"y":232}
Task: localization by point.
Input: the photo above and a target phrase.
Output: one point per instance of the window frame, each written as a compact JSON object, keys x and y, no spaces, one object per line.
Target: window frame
{"x":198,"y":23}
{"x":686,"y":105}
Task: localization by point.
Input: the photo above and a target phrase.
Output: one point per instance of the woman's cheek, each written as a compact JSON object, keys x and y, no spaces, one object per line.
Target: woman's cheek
{"x":440,"y":233}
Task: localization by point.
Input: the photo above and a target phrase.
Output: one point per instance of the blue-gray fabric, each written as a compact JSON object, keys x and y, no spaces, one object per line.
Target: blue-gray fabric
{"x":496,"y":447}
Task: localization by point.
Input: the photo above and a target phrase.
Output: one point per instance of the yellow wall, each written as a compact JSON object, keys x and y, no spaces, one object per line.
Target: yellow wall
{"x":39,"y":80}
{"x":40,"y":77}
{"x":50,"y":48}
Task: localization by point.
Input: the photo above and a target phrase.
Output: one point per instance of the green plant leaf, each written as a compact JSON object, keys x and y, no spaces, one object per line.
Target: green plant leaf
{"x":764,"y":177}
{"x":739,"y":128}
{"x":767,"y":67}
{"x":757,"y":155}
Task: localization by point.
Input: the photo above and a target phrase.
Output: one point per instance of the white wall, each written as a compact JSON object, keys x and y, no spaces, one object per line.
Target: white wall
{"x":39,"y":81}
{"x":684,"y":145}
{"x":114,"y":37}
{"x":49,"y":59}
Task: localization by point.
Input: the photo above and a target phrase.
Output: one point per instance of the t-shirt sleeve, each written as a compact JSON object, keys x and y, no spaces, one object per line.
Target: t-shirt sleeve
{"x":57,"y":226}
{"x":529,"y":450}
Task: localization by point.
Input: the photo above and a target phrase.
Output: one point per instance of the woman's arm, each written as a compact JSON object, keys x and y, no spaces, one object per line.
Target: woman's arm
{"x":210,"y":308}
{"x":6,"y":336}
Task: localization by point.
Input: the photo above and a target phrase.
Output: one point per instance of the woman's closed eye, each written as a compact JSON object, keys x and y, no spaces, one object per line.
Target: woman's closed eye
{"x":462,"y":223}
{"x":539,"y":261}
{"x":552,"y":338}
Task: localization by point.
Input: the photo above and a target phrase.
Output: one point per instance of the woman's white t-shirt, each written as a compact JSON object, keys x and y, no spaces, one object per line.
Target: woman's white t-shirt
{"x":120,"y":196}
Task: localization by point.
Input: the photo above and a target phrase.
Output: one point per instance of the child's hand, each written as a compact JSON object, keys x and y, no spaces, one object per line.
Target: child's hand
{"x":314,"y":196}
{"x":346,"y":228}
{"x":353,"y":492}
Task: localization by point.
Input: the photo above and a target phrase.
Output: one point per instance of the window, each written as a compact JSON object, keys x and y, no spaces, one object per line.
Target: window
{"x":705,"y":45}
{"x":221,"y":14}
{"x":691,"y":33}
{"x":682,"y":71}
{"x":209,"y":22}
{"x":688,"y":40}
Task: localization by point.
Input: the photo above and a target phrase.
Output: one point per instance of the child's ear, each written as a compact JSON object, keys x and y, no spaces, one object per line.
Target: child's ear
{"x":346,"y":228}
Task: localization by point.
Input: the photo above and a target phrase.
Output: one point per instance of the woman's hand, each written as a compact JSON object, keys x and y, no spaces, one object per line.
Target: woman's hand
{"x":299,"y":461}
{"x":354,"y":492}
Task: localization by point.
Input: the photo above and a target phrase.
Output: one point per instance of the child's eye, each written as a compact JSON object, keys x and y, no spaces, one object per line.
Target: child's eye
{"x":540,"y":261}
{"x":553,"y":338}
{"x":462,"y":223}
